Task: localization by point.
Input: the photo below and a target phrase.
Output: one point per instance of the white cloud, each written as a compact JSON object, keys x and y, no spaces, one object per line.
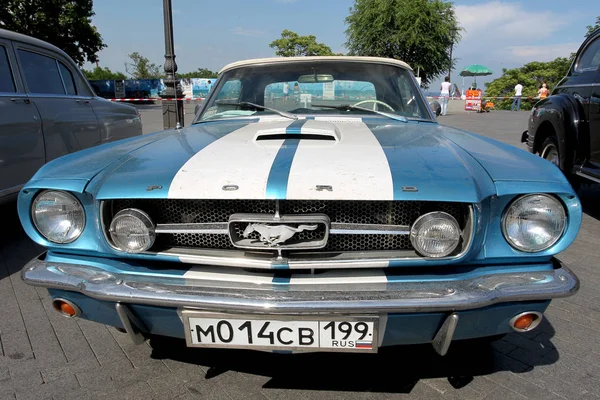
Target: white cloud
{"x":247,"y":32}
{"x":496,"y":19}
{"x":540,"y":52}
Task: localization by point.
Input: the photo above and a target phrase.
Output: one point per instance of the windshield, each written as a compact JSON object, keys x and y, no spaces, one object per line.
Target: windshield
{"x":315,"y":88}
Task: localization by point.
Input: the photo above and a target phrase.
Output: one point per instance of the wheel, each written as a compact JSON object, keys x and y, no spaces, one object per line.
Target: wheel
{"x":549,"y":151}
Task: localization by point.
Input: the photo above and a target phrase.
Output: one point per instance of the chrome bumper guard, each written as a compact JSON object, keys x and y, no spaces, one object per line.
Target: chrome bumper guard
{"x":406,"y":297}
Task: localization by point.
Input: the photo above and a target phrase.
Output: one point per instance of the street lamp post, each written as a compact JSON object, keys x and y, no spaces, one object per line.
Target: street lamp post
{"x":172,"y":109}
{"x":452,"y":33}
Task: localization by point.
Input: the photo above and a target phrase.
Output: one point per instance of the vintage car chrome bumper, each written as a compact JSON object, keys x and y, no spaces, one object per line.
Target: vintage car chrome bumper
{"x":221,"y":295}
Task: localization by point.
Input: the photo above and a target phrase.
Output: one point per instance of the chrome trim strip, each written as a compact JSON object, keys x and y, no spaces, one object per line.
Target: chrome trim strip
{"x":216,"y":228}
{"x":221,"y":228}
{"x":583,"y":174}
{"x":441,"y":295}
{"x":443,"y":338}
{"x":368,"y":229}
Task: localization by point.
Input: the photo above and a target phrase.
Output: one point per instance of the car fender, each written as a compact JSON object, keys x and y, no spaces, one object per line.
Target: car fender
{"x":564,"y":114}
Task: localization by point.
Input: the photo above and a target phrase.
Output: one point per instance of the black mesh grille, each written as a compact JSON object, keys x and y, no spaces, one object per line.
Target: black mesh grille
{"x":174,"y":211}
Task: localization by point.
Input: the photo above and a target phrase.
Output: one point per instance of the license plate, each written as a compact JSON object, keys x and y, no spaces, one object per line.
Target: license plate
{"x":341,"y":333}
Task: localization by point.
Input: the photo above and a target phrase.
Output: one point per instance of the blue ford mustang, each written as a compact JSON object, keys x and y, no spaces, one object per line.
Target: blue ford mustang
{"x":314,"y":204}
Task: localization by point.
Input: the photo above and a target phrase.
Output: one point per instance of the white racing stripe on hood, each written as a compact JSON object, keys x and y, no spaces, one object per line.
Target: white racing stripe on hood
{"x":235,"y":159}
{"x":355,"y":167}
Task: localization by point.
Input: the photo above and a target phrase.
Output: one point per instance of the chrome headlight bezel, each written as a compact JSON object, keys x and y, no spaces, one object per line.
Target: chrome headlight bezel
{"x":71,"y":201}
{"x":425,"y":218}
{"x":146,"y":222}
{"x":520,"y":247}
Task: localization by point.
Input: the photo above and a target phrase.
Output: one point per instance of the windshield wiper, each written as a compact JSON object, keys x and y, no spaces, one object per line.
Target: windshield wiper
{"x":258,"y":106}
{"x":351,"y":107}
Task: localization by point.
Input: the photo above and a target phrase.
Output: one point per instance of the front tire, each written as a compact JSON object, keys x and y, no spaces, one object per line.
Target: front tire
{"x":549,"y":151}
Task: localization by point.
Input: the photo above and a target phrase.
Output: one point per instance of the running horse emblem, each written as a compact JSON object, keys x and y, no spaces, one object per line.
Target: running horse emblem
{"x":274,"y":235}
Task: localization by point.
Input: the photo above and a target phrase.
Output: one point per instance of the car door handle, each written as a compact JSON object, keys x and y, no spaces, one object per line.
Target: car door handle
{"x":15,"y":99}
{"x":83,"y":101}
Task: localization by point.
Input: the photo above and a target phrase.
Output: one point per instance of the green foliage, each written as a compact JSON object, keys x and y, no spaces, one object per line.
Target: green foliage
{"x":201,"y":73}
{"x":592,"y":28}
{"x":64,"y":23}
{"x":99,"y":73}
{"x":419,"y":32}
{"x":531,"y":76}
{"x":293,"y":45}
{"x":141,"y":68}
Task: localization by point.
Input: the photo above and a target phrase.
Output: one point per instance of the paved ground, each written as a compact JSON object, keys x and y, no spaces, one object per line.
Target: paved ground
{"x":46,"y":356}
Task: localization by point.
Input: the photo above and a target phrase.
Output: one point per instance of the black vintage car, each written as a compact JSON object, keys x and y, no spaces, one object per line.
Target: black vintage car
{"x":565,"y":127}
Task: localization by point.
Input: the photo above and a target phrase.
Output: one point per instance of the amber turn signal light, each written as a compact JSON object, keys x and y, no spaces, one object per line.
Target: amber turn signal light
{"x":526,"y":321}
{"x":66,"y":308}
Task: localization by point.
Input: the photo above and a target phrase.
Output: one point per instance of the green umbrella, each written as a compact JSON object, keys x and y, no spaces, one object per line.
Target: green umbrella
{"x":475,"y":70}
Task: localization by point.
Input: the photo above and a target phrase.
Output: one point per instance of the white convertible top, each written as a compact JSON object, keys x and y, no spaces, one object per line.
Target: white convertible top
{"x":284,"y":60}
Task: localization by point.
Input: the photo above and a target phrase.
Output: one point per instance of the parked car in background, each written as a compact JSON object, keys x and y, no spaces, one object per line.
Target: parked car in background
{"x":48,"y":109}
{"x":339,"y":223}
{"x":565,"y":127}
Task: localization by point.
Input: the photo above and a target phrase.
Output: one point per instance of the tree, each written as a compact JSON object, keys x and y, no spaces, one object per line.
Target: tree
{"x":531,"y":76}
{"x":293,"y":45}
{"x":200,"y":73}
{"x":100,"y":74}
{"x":592,"y":28}
{"x":419,"y":32}
{"x":64,"y":23}
{"x":141,"y":68}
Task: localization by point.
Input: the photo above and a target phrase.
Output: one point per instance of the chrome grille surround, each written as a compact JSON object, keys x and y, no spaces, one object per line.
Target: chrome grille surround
{"x":362,"y":234}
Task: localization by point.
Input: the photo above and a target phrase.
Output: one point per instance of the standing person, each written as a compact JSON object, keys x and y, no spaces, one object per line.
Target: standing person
{"x":517,"y":99}
{"x":286,"y":91}
{"x":543,"y":92}
{"x":296,"y":92}
{"x":445,"y":94}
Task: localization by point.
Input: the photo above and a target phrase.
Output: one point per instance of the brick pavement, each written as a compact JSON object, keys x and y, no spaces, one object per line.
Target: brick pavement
{"x":46,"y":356}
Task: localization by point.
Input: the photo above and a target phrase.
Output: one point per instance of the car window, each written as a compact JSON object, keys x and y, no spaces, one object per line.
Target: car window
{"x":41,"y":73}
{"x":67,"y":77}
{"x":318,"y":87}
{"x":7,"y":83}
{"x":590,"y":59}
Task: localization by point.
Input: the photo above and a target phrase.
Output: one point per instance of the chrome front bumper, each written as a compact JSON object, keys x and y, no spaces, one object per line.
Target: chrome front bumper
{"x":220,"y":295}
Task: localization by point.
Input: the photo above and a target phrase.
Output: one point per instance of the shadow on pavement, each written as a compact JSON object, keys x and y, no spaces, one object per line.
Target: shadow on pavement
{"x":393,"y":370}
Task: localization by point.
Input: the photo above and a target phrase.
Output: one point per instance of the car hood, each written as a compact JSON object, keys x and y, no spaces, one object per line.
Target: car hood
{"x":324,"y":159}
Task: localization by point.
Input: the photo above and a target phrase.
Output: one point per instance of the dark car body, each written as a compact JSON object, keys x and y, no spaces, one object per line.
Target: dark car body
{"x":48,"y":109}
{"x":565,"y":127}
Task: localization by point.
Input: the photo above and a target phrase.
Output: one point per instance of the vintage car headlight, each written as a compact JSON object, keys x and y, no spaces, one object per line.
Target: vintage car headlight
{"x":435,"y":234}
{"x":58,"y":216}
{"x":132,"y":231}
{"x":534,"y":222}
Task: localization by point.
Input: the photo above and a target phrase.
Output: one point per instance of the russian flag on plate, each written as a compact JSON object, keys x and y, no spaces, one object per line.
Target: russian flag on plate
{"x":363,"y":344}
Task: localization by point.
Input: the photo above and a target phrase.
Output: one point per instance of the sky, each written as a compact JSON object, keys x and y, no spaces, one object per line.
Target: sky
{"x":210,"y":34}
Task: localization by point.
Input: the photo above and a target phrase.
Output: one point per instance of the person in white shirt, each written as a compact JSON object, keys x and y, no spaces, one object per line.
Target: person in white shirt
{"x":517,"y":100}
{"x":286,"y":91}
{"x":445,"y":94}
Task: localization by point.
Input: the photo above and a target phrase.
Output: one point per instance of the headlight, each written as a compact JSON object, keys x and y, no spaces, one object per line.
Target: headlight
{"x":58,"y":216}
{"x":435,"y":234}
{"x":534,"y":222}
{"x":132,"y":231}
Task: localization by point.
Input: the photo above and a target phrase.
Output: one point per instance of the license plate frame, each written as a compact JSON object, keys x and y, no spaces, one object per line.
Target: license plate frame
{"x":188,"y":316}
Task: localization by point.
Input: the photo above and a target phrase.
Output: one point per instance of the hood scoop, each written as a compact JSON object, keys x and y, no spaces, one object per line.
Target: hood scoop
{"x":310,"y":130}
